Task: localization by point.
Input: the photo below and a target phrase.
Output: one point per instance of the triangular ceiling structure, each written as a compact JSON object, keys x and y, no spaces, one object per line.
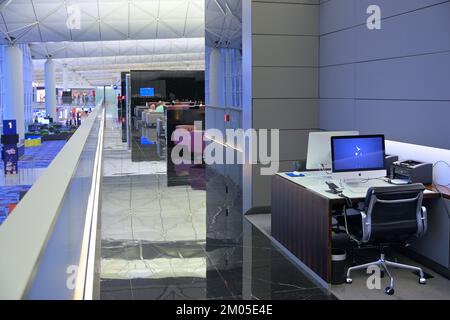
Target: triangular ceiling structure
{"x":106,"y":29}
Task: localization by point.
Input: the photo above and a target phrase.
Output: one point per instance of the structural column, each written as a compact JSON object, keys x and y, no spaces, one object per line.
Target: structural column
{"x":65,"y":76}
{"x":14,"y":103}
{"x":50,"y":88}
{"x":216,"y":79}
{"x":228,"y":78}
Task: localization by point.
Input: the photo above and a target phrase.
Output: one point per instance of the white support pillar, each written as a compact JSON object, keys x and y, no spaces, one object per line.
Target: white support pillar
{"x":14,"y":103}
{"x":79,"y":81}
{"x":65,"y":76}
{"x":228,"y":79}
{"x":216,"y":79}
{"x":50,"y":88}
{"x":73,"y":80}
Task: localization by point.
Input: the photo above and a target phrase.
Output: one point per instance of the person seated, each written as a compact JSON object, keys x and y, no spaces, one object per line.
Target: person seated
{"x":160,"y":108}
{"x":153,"y":108}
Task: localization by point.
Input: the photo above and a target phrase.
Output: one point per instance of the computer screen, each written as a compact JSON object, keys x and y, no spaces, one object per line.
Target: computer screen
{"x":147,"y":92}
{"x":361,"y":153}
{"x":319,"y":148}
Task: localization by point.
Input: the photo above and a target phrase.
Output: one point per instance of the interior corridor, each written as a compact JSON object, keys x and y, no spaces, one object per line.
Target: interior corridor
{"x":163,"y":238}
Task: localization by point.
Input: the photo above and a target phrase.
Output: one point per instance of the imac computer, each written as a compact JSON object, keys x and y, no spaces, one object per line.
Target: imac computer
{"x":319,"y":148}
{"x":358,"y":158}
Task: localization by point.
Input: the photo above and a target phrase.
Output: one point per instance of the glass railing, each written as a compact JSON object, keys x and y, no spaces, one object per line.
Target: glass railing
{"x":47,"y":245}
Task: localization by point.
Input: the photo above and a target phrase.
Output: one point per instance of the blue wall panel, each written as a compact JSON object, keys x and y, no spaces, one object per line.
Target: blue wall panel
{"x":395,"y":80}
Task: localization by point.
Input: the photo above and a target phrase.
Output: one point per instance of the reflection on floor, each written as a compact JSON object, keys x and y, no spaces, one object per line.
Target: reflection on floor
{"x":165,"y":238}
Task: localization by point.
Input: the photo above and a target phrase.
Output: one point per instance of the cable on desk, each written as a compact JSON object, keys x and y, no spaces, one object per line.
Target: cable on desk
{"x":348,"y":201}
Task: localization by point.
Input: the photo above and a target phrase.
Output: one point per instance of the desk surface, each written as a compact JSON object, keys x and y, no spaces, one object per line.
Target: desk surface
{"x":315,"y":181}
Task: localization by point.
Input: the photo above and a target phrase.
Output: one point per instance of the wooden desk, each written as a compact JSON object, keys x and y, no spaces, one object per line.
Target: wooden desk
{"x":301,"y":218}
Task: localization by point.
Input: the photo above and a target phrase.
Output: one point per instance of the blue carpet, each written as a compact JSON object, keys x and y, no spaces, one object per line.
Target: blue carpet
{"x":8,"y":195}
{"x":41,"y":156}
{"x":34,"y":158}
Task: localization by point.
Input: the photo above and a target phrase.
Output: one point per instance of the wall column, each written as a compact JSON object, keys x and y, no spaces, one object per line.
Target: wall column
{"x":14,"y":103}
{"x":216,"y":79}
{"x":50,"y":88}
{"x":65,"y":76}
{"x":228,"y":78}
{"x":280,"y":84}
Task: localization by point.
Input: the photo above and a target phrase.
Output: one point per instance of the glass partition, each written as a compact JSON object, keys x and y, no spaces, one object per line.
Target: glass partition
{"x":56,"y":273}
{"x":46,"y":241}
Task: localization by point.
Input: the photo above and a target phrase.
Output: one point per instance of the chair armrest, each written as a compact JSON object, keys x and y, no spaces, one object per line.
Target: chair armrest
{"x":424,"y":219}
{"x":363,"y":218}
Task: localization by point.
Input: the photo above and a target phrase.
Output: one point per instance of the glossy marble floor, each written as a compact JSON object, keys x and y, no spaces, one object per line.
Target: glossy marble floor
{"x":166,"y":238}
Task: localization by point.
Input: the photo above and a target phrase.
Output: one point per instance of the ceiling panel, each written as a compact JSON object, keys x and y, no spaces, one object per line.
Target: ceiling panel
{"x":223,"y":25}
{"x":104,"y":19}
{"x":114,"y":34}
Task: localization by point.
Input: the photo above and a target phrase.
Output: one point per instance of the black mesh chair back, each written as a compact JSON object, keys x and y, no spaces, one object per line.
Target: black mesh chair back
{"x":394,"y":213}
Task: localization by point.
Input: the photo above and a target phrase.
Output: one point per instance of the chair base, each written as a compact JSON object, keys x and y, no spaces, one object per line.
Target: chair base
{"x":383,"y":264}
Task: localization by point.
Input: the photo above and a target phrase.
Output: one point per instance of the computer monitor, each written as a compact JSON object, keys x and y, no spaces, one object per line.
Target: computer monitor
{"x":147,"y":92}
{"x":319,"y":148}
{"x":357,"y":158}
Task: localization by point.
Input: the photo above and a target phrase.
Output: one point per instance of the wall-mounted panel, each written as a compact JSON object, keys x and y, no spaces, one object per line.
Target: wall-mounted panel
{"x":417,"y":122}
{"x":425,"y":77}
{"x":285,"y":19}
{"x":271,"y":51}
{"x":337,"y":82}
{"x":394,"y":80}
{"x":270,"y":82}
{"x":343,"y":114}
{"x":270,"y":113}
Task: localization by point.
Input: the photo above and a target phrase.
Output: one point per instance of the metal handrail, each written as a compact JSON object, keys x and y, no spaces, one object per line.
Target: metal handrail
{"x":84,"y":289}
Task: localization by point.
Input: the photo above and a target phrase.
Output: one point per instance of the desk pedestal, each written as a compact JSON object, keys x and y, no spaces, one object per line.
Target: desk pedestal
{"x":301,"y":222}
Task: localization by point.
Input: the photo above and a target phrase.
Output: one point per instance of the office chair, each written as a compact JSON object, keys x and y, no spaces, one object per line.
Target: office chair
{"x":390,"y":215}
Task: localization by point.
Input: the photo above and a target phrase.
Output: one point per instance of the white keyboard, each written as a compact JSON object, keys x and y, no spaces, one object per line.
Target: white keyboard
{"x":357,"y":189}
{"x":317,"y":174}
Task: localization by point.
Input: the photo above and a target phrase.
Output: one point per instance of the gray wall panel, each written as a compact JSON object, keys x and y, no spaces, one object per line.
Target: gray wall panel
{"x":337,"y":15}
{"x":285,"y":19}
{"x":343,"y":111}
{"x":269,"y":51}
{"x":398,"y":77}
{"x":337,"y":82}
{"x":390,"y":8}
{"x":424,"y":77}
{"x":262,"y":184}
{"x":415,"y":122}
{"x":419,"y":32}
{"x":291,"y":1}
{"x":270,"y":82}
{"x":338,"y":48}
{"x":292,"y":144}
{"x":284,"y":47}
{"x":270,"y":113}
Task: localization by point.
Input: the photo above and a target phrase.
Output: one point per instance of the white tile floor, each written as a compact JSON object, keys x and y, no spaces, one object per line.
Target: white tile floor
{"x":138,"y":206}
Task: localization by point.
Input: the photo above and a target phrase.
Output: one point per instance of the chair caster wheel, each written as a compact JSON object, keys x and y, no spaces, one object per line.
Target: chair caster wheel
{"x":389,"y":291}
{"x":422,"y":281}
{"x":348,"y":280}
